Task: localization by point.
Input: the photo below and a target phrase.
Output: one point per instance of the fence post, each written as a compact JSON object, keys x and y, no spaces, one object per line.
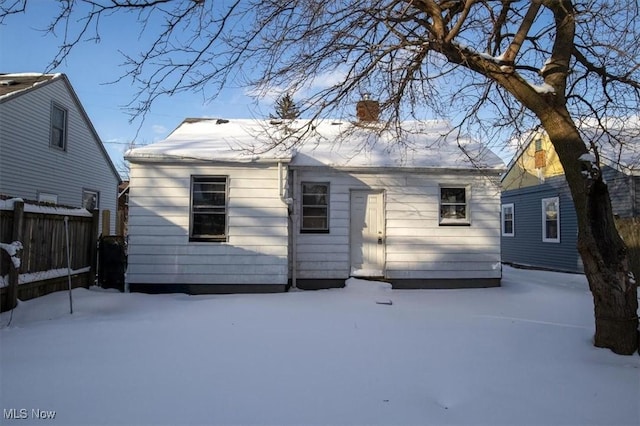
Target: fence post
{"x":14,"y":273}
{"x":93,"y":244}
{"x":106,"y":223}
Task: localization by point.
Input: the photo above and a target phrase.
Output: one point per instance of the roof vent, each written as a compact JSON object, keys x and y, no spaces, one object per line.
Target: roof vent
{"x":7,"y":82}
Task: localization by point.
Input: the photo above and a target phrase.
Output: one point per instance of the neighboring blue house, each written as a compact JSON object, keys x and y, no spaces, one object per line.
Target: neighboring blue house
{"x":539,"y":226}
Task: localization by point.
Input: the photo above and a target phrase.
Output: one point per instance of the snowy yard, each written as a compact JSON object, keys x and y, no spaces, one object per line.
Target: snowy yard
{"x":516,"y":355}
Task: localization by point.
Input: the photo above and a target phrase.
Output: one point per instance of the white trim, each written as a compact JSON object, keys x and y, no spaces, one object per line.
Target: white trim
{"x":513,"y":220}
{"x":545,"y":203}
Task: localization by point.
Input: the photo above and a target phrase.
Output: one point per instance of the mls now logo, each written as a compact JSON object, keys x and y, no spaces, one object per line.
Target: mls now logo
{"x":23,"y":413}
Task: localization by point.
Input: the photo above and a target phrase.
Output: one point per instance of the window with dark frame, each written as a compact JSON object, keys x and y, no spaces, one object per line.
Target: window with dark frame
{"x":454,"y":209}
{"x":58,"y":127}
{"x":315,"y":207}
{"x":208,"y":208}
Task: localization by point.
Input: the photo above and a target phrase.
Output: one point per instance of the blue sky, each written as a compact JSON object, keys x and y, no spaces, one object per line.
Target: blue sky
{"x":25,"y":48}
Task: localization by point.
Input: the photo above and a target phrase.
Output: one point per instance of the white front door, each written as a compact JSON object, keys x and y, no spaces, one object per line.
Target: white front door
{"x":367,"y":233}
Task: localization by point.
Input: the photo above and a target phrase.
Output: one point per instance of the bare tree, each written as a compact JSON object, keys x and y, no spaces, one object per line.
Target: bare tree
{"x":491,"y":65}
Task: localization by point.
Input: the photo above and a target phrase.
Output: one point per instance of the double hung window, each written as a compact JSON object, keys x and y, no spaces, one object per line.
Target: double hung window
{"x":551,"y":220}
{"x":508,"y":220}
{"x":58,"y":137}
{"x":208,"y":208}
{"x":315,"y":207}
{"x":454,"y":205}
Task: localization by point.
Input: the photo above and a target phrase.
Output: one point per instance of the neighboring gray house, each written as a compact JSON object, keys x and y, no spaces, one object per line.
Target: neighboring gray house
{"x":49,"y":150}
{"x":212,"y":209}
{"x":539,"y":224}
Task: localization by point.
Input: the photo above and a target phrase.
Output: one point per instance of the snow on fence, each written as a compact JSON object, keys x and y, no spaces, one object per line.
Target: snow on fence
{"x":42,"y":264}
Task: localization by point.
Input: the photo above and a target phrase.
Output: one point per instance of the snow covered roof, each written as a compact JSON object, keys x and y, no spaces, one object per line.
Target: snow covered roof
{"x":325,"y":143}
{"x":11,"y":84}
{"x":621,"y":152}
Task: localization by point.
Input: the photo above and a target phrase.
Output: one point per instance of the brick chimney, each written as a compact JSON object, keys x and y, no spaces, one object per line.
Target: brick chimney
{"x":367,"y":110}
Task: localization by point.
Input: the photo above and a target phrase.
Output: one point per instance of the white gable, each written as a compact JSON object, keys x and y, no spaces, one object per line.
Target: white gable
{"x":326,"y":143}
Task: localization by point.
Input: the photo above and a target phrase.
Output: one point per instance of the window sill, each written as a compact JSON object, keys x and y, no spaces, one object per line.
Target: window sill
{"x":314,"y":231}
{"x":455,"y":223}
{"x":207,"y":240}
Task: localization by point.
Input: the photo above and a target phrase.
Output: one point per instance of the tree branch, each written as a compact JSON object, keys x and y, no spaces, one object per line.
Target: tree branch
{"x":510,"y":55}
{"x":12,"y":8}
{"x":602,"y":71}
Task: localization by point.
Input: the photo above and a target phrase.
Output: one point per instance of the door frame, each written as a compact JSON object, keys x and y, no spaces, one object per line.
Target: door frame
{"x":383,"y":222}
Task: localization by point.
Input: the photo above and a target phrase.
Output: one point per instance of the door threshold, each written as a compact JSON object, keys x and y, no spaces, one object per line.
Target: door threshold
{"x":372,"y":278}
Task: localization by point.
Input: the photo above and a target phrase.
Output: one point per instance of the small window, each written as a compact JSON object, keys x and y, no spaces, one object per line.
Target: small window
{"x":45,"y":197}
{"x":551,"y":220}
{"x":208,"y":208}
{"x":508,"y":229}
{"x":454,"y":205}
{"x":315,"y":207}
{"x":538,"y":144}
{"x":90,"y":199}
{"x":58,"y":127}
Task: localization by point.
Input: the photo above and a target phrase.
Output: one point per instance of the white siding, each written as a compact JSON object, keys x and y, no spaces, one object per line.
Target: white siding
{"x":29,"y":165}
{"x":159,"y":248}
{"x":417,"y":246}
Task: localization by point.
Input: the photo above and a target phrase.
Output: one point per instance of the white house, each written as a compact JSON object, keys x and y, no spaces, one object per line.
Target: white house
{"x":49,"y":150}
{"x":213,"y":209}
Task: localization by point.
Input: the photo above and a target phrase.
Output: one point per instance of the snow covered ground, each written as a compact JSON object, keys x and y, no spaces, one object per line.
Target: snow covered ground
{"x":516,"y":355}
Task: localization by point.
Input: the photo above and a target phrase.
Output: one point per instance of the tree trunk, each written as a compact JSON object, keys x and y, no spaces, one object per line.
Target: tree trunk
{"x":606,"y":266}
{"x":603,"y":252}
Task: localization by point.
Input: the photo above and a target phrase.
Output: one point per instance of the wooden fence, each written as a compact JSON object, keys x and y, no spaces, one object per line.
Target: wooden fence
{"x":43,"y":258}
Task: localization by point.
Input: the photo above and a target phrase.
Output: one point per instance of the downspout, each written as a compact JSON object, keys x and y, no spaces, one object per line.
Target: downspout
{"x":294,"y":232}
{"x":634,"y":198}
{"x":289,"y":202}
